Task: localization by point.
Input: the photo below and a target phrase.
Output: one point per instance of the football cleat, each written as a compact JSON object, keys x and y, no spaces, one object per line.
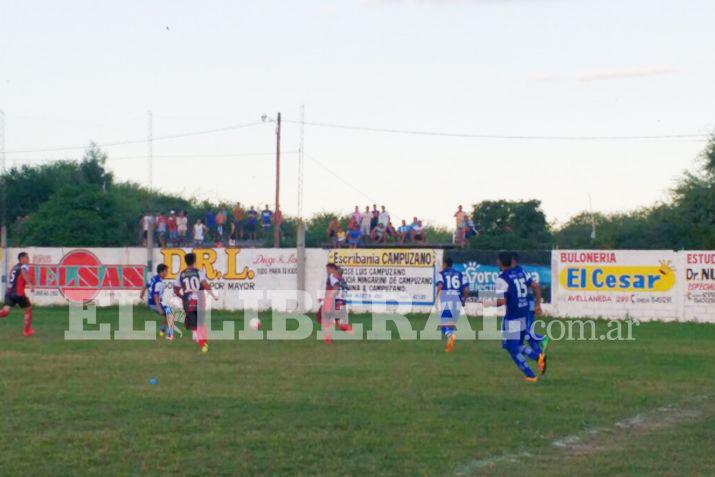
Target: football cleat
{"x":28,"y":333}
{"x":535,"y":379}
{"x":541,"y":363}
{"x":450,"y":343}
{"x":544,"y":344}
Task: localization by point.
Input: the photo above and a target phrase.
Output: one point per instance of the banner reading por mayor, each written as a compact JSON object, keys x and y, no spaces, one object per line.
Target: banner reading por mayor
{"x":480,"y":269}
{"x":232,"y":270}
{"x":388,"y":275}
{"x":616,"y":283}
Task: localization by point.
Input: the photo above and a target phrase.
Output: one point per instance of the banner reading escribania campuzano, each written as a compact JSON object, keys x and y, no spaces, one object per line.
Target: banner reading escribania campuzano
{"x":388,"y":275}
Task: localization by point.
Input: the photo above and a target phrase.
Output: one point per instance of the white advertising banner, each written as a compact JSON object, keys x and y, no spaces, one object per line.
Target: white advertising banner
{"x":616,"y":283}
{"x":393,"y":276}
{"x":102,"y":275}
{"x":699,"y":292}
{"x":242,"y":278}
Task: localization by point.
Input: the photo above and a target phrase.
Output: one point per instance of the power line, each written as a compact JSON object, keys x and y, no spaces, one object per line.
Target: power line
{"x":337,"y":176}
{"x":165,"y":156}
{"x":139,"y":141}
{"x":698,"y":136}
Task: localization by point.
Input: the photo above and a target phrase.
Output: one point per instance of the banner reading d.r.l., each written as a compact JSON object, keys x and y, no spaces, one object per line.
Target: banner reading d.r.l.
{"x":399,"y":276}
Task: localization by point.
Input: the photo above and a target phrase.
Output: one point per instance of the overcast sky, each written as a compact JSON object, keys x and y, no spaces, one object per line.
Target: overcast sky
{"x":76,"y":71}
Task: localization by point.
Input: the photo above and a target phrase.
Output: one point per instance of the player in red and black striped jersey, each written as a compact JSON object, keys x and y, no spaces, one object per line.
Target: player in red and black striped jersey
{"x":191,"y":284}
{"x":334,"y":305}
{"x":15,"y":294}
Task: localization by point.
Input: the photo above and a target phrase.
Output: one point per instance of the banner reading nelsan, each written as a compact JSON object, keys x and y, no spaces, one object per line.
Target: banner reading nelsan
{"x":402,"y":276}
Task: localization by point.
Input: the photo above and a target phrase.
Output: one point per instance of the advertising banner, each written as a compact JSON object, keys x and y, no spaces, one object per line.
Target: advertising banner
{"x":699,"y":292}
{"x":401,"y":276}
{"x":616,"y":282}
{"x":231,"y":271}
{"x":102,"y":275}
{"x":480,"y":269}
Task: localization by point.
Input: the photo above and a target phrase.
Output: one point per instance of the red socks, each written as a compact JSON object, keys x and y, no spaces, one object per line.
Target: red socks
{"x":28,"y":320}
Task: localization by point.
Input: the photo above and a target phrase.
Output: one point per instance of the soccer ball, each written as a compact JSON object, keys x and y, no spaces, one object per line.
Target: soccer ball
{"x":255,"y":324}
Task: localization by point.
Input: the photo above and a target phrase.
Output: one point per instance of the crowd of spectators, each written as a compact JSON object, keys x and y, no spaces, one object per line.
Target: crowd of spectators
{"x":374,"y":226}
{"x":220,"y":228}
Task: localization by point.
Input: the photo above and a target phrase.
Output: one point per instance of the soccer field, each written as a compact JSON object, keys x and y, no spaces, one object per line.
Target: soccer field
{"x":353,"y":408}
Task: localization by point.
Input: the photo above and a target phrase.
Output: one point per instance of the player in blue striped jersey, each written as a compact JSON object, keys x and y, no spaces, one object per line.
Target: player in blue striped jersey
{"x":155,"y":289}
{"x":538,"y":342}
{"x":452,"y":293}
{"x":512,"y":289}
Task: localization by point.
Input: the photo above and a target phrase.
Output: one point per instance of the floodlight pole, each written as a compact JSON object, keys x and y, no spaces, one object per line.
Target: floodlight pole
{"x":278,"y":215}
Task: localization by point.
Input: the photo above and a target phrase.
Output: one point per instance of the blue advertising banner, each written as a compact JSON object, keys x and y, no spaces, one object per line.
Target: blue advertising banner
{"x":480,"y":269}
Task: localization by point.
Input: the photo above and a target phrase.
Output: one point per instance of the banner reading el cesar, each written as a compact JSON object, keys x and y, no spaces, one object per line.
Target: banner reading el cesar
{"x":628,"y":280}
{"x":401,"y":276}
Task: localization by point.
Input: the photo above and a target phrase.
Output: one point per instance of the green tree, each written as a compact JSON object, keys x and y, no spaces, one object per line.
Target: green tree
{"x":506,"y":224}
{"x":77,"y":215}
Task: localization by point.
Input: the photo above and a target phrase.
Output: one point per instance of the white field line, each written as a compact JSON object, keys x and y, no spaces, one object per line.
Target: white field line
{"x":586,"y":441}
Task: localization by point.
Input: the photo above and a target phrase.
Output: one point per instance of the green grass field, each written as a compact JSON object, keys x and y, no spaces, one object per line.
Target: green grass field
{"x":353,"y":408}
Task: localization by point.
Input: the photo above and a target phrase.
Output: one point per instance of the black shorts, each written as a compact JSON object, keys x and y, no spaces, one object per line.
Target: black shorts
{"x":21,"y":301}
{"x":192,"y":320}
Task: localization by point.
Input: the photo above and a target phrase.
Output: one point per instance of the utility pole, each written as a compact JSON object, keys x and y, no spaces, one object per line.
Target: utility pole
{"x":150,"y":147}
{"x":278,"y":213}
{"x":300,"y":163}
{"x":150,"y":161}
{"x":3,"y":227}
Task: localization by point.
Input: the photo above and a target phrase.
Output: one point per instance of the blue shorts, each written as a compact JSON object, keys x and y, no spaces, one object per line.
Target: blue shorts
{"x":450,"y":311}
{"x":165,"y":308}
{"x":513,"y":333}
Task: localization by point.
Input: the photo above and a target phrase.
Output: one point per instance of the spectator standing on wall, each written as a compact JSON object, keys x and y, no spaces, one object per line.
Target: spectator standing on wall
{"x":161,"y":224}
{"x":365,"y":222}
{"x":144,"y":223}
{"x":332,"y":231}
{"x":238,"y":216}
{"x":210,"y":221}
{"x":172,"y":228}
{"x":221,"y":220}
{"x":266,"y":221}
{"x":182,"y":227}
{"x":251,"y":223}
{"x":374,"y":218}
{"x":404,"y":232}
{"x":384,"y":217}
{"x":356,"y":216}
{"x":460,"y":218}
{"x":199,"y":233}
